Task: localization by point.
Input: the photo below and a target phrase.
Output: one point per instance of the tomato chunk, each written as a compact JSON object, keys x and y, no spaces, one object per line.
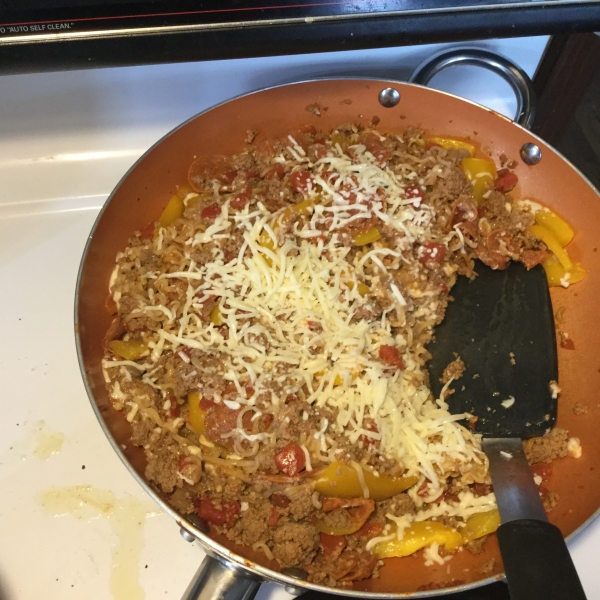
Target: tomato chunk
{"x":211,"y":212}
{"x":147,"y":233}
{"x":413,"y":191}
{"x":280,"y":500}
{"x":432,"y":252}
{"x":332,"y":543}
{"x":226,"y":515}
{"x":390,"y":356}
{"x":273,"y":519}
{"x":291,"y":460}
{"x":277,"y":171}
{"x":506,"y":181}
{"x":300,"y":181}
{"x":370,"y":529}
{"x":241,"y":199}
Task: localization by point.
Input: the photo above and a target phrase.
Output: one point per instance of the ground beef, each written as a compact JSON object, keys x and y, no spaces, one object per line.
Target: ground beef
{"x":548,"y":447}
{"x":140,"y":432}
{"x":295,"y":543}
{"x":252,"y":523}
{"x":550,"y":500}
{"x":163,"y":458}
{"x":476,"y":546}
{"x":454,"y":370}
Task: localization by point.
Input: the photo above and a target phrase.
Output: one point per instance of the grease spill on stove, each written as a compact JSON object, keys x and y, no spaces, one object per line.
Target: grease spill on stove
{"x":126,"y":517}
{"x":48,"y":442}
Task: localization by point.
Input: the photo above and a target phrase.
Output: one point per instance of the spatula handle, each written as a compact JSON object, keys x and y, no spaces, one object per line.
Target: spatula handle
{"x":537,"y":562}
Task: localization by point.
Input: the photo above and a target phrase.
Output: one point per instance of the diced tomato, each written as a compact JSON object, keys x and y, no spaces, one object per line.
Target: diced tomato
{"x":567,"y":344}
{"x":332,"y":543}
{"x":226,"y":515}
{"x":300,"y":180}
{"x":241,"y":199}
{"x":252,"y":175}
{"x":544,"y":470}
{"x":374,"y":145}
{"x":320,"y":151}
{"x":329,"y":504}
{"x":280,"y":500}
{"x":370,"y":529}
{"x":276,"y":171}
{"x":413,"y":191}
{"x":206,"y":403}
{"x":249,"y":391}
{"x":273,"y":519}
{"x":432,"y":252}
{"x":390,"y":356}
{"x":174,"y":407}
{"x":506,"y":181}
{"x":291,"y":460}
{"x":211,"y":212}
{"x":444,"y":288}
{"x":110,"y":305}
{"x":148,"y":232}
{"x":482,"y":489}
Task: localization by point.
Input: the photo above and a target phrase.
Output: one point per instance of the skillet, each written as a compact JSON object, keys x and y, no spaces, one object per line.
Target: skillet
{"x":142,"y":193}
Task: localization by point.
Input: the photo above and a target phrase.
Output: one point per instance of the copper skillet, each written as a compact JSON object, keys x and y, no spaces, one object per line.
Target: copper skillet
{"x":234,"y":572}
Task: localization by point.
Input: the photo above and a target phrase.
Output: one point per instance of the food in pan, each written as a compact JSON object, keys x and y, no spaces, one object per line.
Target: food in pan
{"x":268,"y":346}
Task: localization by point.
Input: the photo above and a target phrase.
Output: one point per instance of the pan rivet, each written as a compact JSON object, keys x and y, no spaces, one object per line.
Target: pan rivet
{"x":531,"y":154}
{"x":186,"y":535}
{"x":389,"y":97}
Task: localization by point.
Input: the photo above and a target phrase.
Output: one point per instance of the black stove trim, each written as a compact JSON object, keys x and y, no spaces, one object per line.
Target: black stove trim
{"x":139,"y":47}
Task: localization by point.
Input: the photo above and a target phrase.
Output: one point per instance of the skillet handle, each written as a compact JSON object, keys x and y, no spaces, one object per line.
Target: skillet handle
{"x":536,"y":562}
{"x":518,"y":80}
{"x":220,"y":580}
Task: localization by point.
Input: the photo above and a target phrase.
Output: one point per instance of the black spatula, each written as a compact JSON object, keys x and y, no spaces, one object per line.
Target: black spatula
{"x":501,"y":325}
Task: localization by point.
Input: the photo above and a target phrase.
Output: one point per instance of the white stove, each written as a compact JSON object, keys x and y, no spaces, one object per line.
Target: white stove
{"x":73,"y":522}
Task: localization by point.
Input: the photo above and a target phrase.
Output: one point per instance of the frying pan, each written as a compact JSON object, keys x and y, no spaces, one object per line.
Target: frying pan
{"x":235,"y":573}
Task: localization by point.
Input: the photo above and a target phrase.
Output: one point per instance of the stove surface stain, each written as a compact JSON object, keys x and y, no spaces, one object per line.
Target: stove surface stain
{"x":126,"y":517}
{"x":48,"y":442}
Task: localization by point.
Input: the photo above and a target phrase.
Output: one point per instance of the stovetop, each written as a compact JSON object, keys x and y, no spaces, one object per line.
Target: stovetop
{"x":74,"y":524}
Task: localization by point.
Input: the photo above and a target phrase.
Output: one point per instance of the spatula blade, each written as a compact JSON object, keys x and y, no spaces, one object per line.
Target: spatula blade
{"x":501,"y":325}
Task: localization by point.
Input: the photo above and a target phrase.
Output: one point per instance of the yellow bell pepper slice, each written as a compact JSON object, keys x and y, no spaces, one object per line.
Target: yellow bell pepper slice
{"x":450,"y":144}
{"x":216,"y":317}
{"x":172,"y":211}
{"x":481,"y":173}
{"x":196,"y":415}
{"x":363,"y":289}
{"x":367,"y":237}
{"x":561,"y":229}
{"x":481,"y":524}
{"x":129,"y":350}
{"x":341,"y":481}
{"x":555,"y":272}
{"x":417,"y":536}
{"x":546,"y":236}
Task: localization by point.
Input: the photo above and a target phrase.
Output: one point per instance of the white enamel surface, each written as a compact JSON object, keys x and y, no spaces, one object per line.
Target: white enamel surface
{"x":65,"y":141}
